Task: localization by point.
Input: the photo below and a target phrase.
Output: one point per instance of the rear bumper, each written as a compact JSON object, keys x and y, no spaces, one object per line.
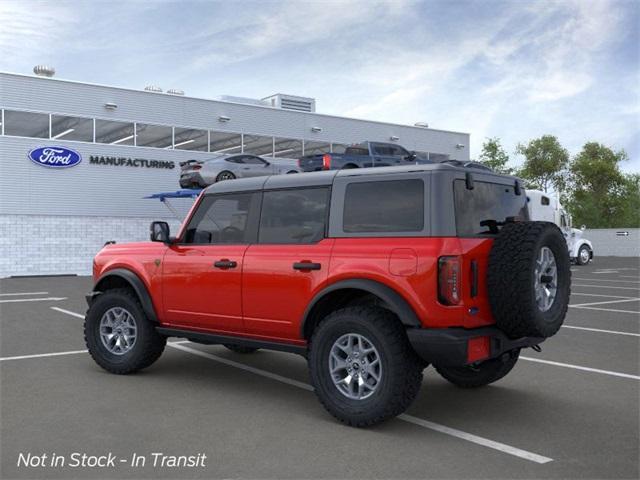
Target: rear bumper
{"x":449,"y":346}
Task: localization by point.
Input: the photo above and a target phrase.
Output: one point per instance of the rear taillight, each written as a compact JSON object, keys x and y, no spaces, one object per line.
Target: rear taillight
{"x":196,"y":167}
{"x":326,"y":162}
{"x":299,"y":163}
{"x":449,"y":280}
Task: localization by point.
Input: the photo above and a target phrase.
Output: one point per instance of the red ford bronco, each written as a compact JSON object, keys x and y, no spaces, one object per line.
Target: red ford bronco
{"x":371,"y":274}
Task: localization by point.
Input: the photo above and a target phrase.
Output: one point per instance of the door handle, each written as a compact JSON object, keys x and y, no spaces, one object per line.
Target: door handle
{"x":224,"y":263}
{"x":306,"y":266}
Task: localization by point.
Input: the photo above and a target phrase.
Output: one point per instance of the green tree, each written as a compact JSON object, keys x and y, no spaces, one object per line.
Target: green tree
{"x":545,"y":163}
{"x":600,"y":195}
{"x":494,"y":156}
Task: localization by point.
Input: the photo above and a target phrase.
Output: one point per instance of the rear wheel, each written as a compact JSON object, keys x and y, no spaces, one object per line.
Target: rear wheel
{"x":225,"y":175}
{"x":362,"y":367}
{"x":473,"y":376}
{"x":118,"y":334}
{"x":584,"y":255}
{"x":239,"y":348}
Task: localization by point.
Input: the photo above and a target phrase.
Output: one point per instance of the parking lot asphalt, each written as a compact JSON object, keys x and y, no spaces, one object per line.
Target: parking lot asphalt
{"x":570,"y":411}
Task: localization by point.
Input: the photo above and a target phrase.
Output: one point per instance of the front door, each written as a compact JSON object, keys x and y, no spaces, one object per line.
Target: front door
{"x":290,"y":262}
{"x":202,"y":272}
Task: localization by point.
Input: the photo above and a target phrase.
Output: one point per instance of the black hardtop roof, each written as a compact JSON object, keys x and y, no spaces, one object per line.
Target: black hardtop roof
{"x":315,"y":179}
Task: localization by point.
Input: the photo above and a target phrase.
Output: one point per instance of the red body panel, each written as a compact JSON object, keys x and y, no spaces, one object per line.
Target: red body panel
{"x":264,"y":297}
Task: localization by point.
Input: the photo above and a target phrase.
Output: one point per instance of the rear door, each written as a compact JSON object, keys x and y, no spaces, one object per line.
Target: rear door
{"x":202,"y":273}
{"x":290,"y":262}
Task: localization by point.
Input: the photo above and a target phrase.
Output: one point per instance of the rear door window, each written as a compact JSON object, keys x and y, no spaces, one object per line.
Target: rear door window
{"x":486,"y":202}
{"x":295,"y":216}
{"x":384,"y":206}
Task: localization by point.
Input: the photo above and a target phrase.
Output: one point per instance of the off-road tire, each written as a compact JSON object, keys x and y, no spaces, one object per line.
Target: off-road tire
{"x":511,"y":279}
{"x":148,"y":346}
{"x":579,"y":257}
{"x":482,"y":374}
{"x":239,"y":348}
{"x":401,"y":377}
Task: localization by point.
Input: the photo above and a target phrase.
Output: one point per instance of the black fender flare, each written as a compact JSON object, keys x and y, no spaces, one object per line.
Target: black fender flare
{"x":135,"y":282}
{"x":396,"y":303}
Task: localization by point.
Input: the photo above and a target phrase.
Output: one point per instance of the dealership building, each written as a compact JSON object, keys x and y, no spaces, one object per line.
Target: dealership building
{"x":127,"y":144}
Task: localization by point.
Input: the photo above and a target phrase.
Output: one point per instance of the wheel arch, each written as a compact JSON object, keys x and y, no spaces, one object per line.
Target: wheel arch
{"x":121,"y":277}
{"x":345,"y":292}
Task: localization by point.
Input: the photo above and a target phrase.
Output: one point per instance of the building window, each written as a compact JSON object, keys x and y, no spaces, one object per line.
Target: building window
{"x":287,"y":148}
{"x":401,"y":211}
{"x":316,"y":148}
{"x":71,"y":128}
{"x":157,"y":136}
{"x":26,"y":124}
{"x":190,"y":139}
{"x":225,"y":142}
{"x":258,"y":145}
{"x":114,"y":133}
{"x":293,"y":216}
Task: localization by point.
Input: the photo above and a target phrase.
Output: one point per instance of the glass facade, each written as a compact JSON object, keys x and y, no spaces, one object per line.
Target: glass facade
{"x":116,"y":132}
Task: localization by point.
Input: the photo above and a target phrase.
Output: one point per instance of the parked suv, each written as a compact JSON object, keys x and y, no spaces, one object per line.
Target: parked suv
{"x":371,"y":274}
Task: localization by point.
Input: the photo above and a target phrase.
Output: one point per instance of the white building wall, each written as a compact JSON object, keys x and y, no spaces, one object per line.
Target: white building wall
{"x":63,"y":244}
{"x":609,"y":241}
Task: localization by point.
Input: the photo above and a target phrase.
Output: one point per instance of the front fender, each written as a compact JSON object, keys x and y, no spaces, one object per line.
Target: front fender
{"x":134,"y":281}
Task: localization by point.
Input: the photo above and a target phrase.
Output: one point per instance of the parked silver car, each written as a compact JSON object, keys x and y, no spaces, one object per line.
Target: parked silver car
{"x":201,"y":173}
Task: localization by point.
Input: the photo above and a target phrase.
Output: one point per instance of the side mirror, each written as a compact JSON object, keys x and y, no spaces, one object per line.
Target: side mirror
{"x":159,"y":232}
{"x":412,"y":155}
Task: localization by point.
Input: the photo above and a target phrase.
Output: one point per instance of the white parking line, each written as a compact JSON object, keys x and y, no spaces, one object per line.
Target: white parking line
{"x":628,"y":276}
{"x":605,"y":302}
{"x":485,"y":442}
{"x":579,"y":367}
{"x":601,"y":331}
{"x":62,"y":310}
{"x":632,"y":312}
{"x":606,"y":280}
{"x":598,"y":295}
{"x":42,"y":355}
{"x":606,"y":286}
{"x":48,"y":299}
{"x":23,"y":293}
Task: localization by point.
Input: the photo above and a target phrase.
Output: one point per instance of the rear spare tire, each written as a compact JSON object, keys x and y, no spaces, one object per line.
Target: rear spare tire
{"x":529,"y":279}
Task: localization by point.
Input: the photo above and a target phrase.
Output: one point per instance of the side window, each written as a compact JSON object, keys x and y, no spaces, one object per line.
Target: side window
{"x":222,"y":219}
{"x":400,"y":152}
{"x":235,"y":160}
{"x":544,"y":200}
{"x":386,"y":206}
{"x":293,"y":216}
{"x":251,"y":160}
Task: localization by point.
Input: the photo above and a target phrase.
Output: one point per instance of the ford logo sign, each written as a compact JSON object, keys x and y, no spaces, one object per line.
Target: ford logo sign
{"x":55,"y":157}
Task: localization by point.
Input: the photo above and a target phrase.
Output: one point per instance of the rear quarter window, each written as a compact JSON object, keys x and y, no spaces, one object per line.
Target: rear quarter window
{"x":384,"y":206}
{"x":487,"y":201}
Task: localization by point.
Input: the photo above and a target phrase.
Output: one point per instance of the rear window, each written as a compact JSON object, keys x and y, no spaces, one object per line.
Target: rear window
{"x":387,"y":206}
{"x":487,"y":201}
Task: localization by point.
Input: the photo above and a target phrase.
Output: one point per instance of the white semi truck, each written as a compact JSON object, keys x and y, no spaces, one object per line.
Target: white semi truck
{"x":546,"y":208}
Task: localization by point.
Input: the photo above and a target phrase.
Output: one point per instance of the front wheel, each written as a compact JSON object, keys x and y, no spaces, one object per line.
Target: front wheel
{"x":118,"y":334}
{"x":473,"y":376}
{"x":362,"y":367}
{"x":584,"y":255}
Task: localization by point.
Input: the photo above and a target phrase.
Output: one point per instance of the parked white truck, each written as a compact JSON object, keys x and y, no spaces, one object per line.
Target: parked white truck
{"x":544,"y":207}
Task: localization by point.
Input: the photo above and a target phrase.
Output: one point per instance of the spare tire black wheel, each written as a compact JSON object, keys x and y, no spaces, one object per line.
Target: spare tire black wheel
{"x":529,"y":279}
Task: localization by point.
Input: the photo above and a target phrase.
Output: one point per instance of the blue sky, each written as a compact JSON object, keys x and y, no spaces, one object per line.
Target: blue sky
{"x":515,"y":70}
